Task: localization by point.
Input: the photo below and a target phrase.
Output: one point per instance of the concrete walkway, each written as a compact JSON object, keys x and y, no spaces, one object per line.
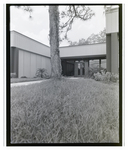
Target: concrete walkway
{"x":33,"y":82}
{"x":73,"y":78}
{"x":26,"y":83}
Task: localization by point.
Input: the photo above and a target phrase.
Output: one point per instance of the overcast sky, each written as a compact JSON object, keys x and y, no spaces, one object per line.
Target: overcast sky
{"x":38,"y":27}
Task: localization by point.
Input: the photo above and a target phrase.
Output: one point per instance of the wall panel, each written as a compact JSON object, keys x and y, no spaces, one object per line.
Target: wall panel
{"x":38,"y":61}
{"x":43,"y":62}
{"x":21,"y":73}
{"x":30,"y":62}
{"x":33,"y":65}
{"x":27,"y":64}
{"x":83,"y":50}
{"x":23,"y":42}
{"x":48,"y":65}
{"x":108,"y":47}
{"x":11,"y":59}
{"x":114,"y":52}
{"x":112,"y":19}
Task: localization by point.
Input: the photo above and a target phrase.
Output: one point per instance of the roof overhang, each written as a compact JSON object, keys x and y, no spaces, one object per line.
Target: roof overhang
{"x":84,"y":57}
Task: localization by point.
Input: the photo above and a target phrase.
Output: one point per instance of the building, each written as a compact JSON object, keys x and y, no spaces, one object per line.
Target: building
{"x":27,"y":55}
{"x":77,"y":59}
{"x":112,"y":39}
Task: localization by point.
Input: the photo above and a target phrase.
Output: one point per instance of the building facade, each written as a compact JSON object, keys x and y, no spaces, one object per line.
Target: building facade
{"x":112,"y":39}
{"x":76,"y":60}
{"x":27,"y":55}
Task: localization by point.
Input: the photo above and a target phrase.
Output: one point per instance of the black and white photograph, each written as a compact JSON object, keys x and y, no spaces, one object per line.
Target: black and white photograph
{"x":64,"y":74}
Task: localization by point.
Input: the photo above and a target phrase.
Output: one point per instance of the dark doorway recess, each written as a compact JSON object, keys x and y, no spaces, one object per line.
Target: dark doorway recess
{"x":67,"y":67}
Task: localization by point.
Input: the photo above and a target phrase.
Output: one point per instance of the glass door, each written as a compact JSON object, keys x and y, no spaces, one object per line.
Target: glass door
{"x":79,"y":68}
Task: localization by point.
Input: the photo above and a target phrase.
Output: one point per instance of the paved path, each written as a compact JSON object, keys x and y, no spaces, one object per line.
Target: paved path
{"x":26,"y":83}
{"x":33,"y":82}
{"x":73,"y":78}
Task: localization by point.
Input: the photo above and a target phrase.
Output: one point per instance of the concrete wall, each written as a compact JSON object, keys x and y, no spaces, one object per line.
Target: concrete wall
{"x":30,"y":62}
{"x":32,"y":55}
{"x":83,"y":50}
{"x":112,"y":42}
{"x":114,"y":53}
{"x":14,"y":54}
{"x":112,"y":20}
{"x":108,"y":47}
{"x":23,"y":42}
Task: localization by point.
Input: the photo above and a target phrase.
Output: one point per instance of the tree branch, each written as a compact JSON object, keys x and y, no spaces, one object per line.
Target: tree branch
{"x":79,"y":12}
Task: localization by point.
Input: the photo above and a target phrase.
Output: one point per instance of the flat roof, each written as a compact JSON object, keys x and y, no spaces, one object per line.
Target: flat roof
{"x":85,"y":50}
{"x":82,"y":45}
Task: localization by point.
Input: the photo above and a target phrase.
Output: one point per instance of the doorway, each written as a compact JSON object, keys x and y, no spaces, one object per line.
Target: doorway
{"x":79,"y":68}
{"x":67,"y":67}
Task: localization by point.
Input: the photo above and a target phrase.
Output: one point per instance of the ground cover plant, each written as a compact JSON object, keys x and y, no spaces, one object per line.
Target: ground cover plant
{"x":65,"y":111}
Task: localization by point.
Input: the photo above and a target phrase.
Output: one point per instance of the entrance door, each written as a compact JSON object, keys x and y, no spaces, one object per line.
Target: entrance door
{"x":79,"y":68}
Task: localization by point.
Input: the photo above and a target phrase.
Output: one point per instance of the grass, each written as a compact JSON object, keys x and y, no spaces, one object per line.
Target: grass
{"x":16,"y":80}
{"x":65,"y":111}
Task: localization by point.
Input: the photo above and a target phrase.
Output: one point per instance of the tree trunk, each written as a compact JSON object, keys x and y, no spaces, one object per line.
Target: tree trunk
{"x":54,"y":42}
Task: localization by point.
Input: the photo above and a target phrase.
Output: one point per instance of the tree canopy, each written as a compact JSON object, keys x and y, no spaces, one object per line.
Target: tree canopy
{"x":93,"y":38}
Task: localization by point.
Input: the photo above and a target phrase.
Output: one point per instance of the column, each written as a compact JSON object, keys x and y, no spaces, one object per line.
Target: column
{"x":76,"y":69}
{"x":99,"y":64}
{"x":16,"y":61}
{"x":114,"y":52}
{"x":86,"y":68}
{"x":81,"y":71}
{"x":11,"y":60}
{"x":108,"y":52}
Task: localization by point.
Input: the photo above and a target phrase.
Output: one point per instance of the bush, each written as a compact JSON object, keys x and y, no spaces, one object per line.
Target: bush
{"x":23,"y":77}
{"x":106,"y":76}
{"x":13,"y":75}
{"x":114,"y":77}
{"x":94,"y":70}
{"x":42,"y":73}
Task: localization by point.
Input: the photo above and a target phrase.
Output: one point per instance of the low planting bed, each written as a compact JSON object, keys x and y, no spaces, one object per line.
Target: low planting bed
{"x":41,"y":74}
{"x":65,"y":111}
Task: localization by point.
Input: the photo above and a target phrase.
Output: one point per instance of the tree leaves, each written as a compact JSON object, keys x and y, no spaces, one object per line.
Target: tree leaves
{"x":26,"y":8}
{"x":93,"y":38}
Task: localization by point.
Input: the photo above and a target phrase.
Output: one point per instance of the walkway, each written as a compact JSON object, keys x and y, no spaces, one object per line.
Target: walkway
{"x":26,"y":83}
{"x":33,"y":82}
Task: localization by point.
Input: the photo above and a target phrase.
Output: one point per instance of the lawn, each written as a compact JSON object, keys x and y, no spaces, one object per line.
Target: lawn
{"x":65,"y":111}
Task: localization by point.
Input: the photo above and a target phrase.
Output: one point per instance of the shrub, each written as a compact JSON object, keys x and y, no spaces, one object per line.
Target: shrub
{"x":23,"y":77}
{"x":94,"y":70}
{"x":114,"y":77}
{"x":13,"y":75}
{"x":42,"y":73}
{"x":106,"y":76}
